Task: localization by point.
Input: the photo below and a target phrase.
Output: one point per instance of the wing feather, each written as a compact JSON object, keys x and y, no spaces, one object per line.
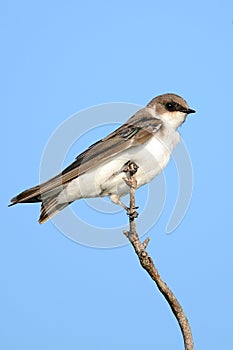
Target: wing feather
{"x":137,"y":130}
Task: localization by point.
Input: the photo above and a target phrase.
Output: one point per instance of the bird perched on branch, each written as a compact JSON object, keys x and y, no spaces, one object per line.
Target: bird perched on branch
{"x":146,"y":140}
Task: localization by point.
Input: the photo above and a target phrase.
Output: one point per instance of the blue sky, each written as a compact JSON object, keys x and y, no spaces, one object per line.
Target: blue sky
{"x":59,"y":58}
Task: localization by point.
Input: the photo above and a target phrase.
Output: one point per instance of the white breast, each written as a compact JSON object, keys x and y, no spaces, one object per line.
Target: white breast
{"x":151,"y":158}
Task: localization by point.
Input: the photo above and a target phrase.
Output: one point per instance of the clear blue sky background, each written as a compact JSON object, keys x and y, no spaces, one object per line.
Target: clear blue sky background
{"x":58,"y":58}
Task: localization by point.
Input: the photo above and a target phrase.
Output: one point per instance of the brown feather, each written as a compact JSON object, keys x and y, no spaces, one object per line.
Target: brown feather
{"x":28,"y":196}
{"x":50,"y":208}
{"x":137,"y":130}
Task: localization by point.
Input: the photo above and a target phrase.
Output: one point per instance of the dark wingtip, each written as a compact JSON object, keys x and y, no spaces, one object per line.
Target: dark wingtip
{"x":13,"y":201}
{"x":31,"y":195}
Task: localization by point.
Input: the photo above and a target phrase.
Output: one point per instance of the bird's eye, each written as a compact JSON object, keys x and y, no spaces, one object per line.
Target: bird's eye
{"x":170,"y":106}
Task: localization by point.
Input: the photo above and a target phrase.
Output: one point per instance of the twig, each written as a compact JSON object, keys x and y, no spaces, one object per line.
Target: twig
{"x":148,"y":264}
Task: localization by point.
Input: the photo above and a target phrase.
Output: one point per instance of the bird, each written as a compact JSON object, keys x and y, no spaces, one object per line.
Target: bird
{"x":146,"y":141}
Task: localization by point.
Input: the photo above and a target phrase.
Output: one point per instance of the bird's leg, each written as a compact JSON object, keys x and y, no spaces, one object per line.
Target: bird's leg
{"x":116,"y":199}
{"x":129,"y":168}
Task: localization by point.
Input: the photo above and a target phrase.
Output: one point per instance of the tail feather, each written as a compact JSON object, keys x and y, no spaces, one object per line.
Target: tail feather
{"x":49,"y":208}
{"x":35,"y":195}
{"x":29,"y":196}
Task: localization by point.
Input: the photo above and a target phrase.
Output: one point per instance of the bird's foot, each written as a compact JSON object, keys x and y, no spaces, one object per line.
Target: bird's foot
{"x":130,"y":167}
{"x":132,"y":213}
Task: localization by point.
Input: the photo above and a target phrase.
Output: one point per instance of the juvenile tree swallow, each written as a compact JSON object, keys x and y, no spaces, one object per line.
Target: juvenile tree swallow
{"x":147,"y":139}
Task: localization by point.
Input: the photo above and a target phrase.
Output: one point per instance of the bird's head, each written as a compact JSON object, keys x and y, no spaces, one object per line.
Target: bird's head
{"x":171,"y":109}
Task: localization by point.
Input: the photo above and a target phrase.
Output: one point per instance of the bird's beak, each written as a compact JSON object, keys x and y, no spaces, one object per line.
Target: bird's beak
{"x":189,"y":111}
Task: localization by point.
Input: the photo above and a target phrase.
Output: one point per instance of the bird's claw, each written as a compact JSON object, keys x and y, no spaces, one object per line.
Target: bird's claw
{"x":130,"y":167}
{"x":132,"y":213}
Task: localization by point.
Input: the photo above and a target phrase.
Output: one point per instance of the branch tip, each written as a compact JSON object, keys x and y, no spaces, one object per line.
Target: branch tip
{"x":145,"y":243}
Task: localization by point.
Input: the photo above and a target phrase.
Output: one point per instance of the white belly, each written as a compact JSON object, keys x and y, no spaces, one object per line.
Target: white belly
{"x":151,"y":158}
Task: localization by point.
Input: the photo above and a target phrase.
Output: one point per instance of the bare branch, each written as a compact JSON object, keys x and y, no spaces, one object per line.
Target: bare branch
{"x":148,"y":264}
